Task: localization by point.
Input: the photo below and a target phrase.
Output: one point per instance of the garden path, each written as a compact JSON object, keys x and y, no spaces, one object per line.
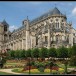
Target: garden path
{"x":9,"y":71}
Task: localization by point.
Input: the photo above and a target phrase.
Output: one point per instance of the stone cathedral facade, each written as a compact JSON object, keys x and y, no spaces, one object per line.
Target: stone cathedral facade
{"x":49,"y":30}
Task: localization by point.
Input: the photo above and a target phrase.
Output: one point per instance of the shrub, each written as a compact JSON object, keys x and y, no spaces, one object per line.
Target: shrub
{"x":47,"y":70}
{"x":41,"y":69}
{"x":73,"y":61}
{"x":33,"y":71}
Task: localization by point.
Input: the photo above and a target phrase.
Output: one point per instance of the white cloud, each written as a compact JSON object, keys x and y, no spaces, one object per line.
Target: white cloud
{"x":13,"y":27}
{"x":74,"y":11}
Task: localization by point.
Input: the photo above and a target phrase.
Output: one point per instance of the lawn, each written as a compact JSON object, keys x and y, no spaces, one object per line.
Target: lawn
{"x":4,"y":73}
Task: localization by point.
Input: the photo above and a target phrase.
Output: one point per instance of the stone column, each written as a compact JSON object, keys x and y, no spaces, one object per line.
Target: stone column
{"x":22,"y":43}
{"x":49,"y":38}
{"x":71,"y":37}
{"x":18,"y":45}
{"x":13,"y":45}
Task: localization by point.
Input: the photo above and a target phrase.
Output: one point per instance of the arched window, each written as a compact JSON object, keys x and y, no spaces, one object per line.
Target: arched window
{"x":58,"y":24}
{"x":36,"y":40}
{"x":5,"y":37}
{"x":46,"y":39}
{"x":5,"y":27}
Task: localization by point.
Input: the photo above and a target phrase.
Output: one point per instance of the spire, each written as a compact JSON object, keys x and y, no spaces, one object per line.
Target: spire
{"x":27,"y":24}
{"x":55,"y":5}
{"x":27,"y":17}
{"x":4,"y":22}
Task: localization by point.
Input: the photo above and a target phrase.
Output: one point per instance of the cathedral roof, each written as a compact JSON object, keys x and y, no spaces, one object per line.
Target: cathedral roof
{"x":55,"y":11}
{"x":4,"y":22}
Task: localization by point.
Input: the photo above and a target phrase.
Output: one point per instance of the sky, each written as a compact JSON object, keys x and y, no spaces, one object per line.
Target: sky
{"x":14,"y":12}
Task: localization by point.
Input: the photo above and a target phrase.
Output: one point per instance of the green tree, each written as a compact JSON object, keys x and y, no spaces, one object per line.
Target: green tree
{"x":17,"y":54}
{"x":23,"y":54}
{"x":52,"y":52}
{"x":69,"y":51}
{"x":73,"y":56}
{"x":28,"y":53}
{"x":12,"y":54}
{"x":62,"y":52}
{"x":35,"y":53}
{"x":43,"y":53}
{"x":73,"y":50}
{"x":2,"y":61}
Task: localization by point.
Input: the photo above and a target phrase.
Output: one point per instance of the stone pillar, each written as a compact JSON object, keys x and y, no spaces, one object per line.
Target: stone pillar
{"x":71,"y":37}
{"x":27,"y":34}
{"x":27,"y":40}
{"x":18,"y":44}
{"x":22,"y":44}
{"x":49,"y":37}
{"x":13,"y":45}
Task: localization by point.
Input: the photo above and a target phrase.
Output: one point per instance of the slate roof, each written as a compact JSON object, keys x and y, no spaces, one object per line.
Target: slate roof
{"x":4,"y":23}
{"x":54,"y":11}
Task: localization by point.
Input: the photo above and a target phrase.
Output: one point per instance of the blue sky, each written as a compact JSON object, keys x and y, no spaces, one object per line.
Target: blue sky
{"x":15,"y":12}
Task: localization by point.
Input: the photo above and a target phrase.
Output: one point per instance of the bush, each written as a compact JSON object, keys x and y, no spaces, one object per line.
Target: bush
{"x":72,"y":61}
{"x":41,"y":69}
{"x":47,"y":70}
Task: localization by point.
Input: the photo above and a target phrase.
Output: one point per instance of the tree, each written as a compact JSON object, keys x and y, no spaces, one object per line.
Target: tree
{"x":73,"y":56}
{"x":12,"y":54}
{"x":73,"y":50}
{"x":62,"y":52}
{"x":23,"y":54}
{"x":28,"y":53}
{"x":69,"y":51}
{"x":35,"y":53}
{"x":43,"y":53}
{"x":9,"y":54}
{"x":52,"y":52}
{"x":17,"y":54}
{"x":2,"y":62}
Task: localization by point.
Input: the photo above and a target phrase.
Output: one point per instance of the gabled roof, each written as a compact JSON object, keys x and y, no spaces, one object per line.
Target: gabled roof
{"x":55,"y":11}
{"x":4,"y":23}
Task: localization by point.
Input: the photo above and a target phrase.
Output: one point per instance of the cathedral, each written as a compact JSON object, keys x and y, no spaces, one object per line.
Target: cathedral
{"x":48,"y":30}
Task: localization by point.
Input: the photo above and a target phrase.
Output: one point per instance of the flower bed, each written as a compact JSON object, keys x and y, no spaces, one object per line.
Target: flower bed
{"x":36,"y":71}
{"x":13,"y":66}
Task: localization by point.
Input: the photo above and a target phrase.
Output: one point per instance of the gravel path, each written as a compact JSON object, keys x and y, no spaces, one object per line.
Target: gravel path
{"x":9,"y":71}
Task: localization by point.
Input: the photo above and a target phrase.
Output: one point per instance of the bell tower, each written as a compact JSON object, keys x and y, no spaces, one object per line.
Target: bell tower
{"x":27,"y":26}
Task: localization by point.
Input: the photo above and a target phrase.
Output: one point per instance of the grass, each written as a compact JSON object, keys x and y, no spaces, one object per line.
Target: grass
{"x":14,"y":63}
{"x":4,"y":73}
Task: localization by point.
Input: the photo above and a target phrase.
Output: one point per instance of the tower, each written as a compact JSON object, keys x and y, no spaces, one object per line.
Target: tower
{"x":27,"y":26}
{"x":3,"y":33}
{"x":71,"y":36}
